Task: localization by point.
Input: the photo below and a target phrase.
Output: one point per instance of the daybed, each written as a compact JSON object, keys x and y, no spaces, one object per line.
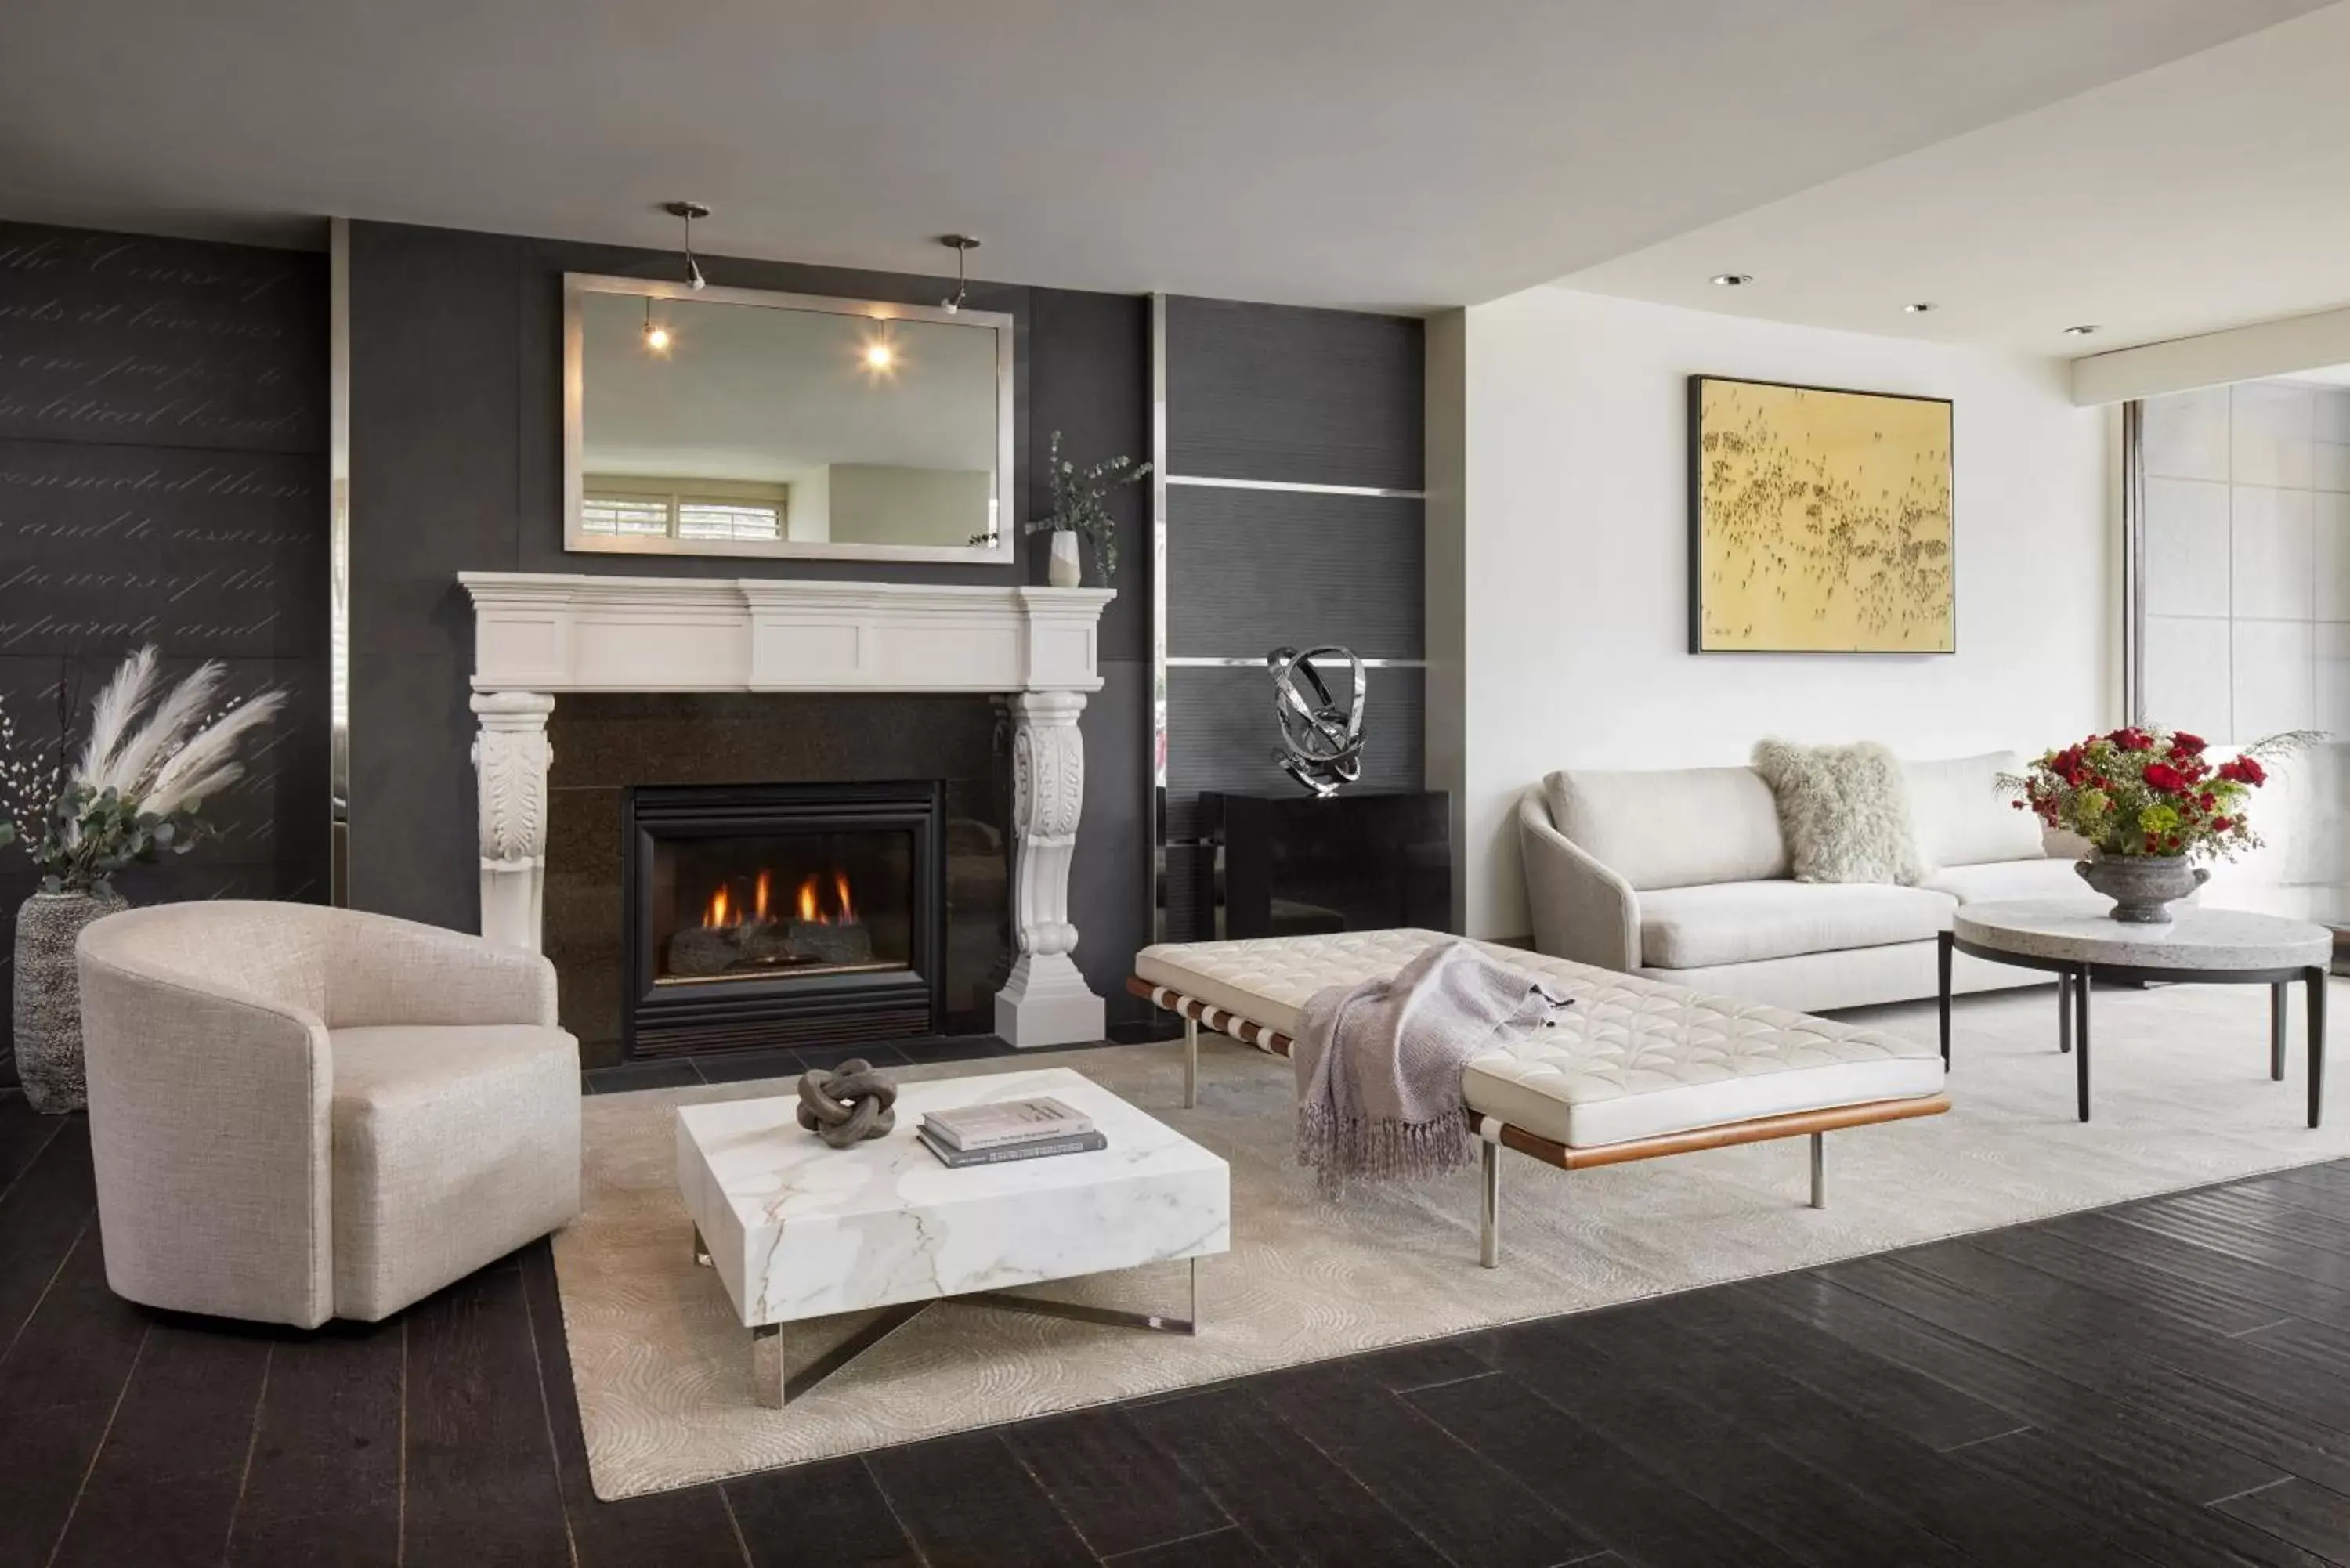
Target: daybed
{"x":1636,"y":1068}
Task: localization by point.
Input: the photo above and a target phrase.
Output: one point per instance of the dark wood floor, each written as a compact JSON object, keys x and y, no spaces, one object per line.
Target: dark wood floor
{"x":2164,"y":1383}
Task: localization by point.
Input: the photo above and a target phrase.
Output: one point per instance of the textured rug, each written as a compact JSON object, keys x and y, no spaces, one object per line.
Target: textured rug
{"x":2182,"y":1098}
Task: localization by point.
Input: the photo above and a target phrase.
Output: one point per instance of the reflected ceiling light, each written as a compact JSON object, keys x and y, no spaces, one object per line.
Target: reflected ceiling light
{"x":689,"y":210}
{"x":879,"y":355}
{"x":656,"y":335}
{"x":1733,"y":279}
{"x":2080,"y":331}
{"x":1919,"y":308}
{"x":963,"y":246}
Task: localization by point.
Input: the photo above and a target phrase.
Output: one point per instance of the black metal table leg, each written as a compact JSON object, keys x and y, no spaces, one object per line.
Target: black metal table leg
{"x":2081,"y":1036}
{"x":1942,"y":965}
{"x":2276,"y":1032}
{"x":2064,"y":1010}
{"x":2315,"y":981}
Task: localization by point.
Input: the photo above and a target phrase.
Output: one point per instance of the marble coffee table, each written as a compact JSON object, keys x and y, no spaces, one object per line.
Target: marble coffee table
{"x":796,"y":1229}
{"x":2080,"y":942}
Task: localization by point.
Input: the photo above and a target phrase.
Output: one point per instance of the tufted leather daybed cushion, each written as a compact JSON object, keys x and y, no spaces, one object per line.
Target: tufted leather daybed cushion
{"x":1633,"y":1060}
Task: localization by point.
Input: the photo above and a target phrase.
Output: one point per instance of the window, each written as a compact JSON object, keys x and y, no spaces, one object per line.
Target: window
{"x":655,"y":508}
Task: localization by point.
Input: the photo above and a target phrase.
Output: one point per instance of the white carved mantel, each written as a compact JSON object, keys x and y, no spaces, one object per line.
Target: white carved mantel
{"x":539,"y":635}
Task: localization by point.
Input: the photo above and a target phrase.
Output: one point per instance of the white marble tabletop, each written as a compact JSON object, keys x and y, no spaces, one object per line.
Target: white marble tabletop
{"x":2084,"y":931}
{"x":797,"y":1229}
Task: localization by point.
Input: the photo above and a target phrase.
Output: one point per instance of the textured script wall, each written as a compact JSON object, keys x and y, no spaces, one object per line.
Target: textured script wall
{"x":163,"y":479}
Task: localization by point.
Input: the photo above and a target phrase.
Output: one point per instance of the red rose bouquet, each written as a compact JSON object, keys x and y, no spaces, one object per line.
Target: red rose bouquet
{"x":2152,"y":791}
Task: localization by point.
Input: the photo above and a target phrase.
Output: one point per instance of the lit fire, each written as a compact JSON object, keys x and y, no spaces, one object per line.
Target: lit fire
{"x":723,"y":913}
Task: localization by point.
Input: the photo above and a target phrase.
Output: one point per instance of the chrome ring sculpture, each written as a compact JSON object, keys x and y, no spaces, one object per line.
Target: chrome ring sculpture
{"x":1321,"y":743}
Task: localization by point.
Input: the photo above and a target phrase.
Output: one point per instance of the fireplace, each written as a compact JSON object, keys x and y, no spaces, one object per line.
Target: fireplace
{"x":780,"y":915}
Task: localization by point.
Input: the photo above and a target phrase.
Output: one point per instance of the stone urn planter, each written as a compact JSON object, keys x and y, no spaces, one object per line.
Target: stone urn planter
{"x":2142,"y":886}
{"x":48,"y":996}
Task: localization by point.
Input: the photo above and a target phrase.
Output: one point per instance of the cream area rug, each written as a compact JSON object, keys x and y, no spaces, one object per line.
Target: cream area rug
{"x":2182,"y":1097}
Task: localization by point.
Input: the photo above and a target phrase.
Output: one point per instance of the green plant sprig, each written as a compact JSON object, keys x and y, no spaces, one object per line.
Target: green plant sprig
{"x":1081,"y":502}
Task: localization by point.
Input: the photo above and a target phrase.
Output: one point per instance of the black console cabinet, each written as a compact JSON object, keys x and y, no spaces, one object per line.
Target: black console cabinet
{"x":1294,"y":865}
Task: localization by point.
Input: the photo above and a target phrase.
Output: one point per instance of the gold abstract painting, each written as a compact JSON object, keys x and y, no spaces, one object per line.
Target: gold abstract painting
{"x":1820,"y":520}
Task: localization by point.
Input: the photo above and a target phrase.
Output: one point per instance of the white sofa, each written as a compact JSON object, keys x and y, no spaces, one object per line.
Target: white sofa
{"x":1681,"y":875}
{"x":300,"y":1112}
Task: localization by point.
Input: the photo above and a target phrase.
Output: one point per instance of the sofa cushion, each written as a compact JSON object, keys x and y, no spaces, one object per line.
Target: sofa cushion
{"x":1844,"y":810}
{"x":452,"y":1145}
{"x":1962,"y":818}
{"x":1739,"y":922}
{"x":1671,"y":827}
{"x":2041,"y":878}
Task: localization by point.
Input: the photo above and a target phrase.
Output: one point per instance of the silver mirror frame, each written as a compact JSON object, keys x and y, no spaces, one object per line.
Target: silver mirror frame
{"x":577,"y":286}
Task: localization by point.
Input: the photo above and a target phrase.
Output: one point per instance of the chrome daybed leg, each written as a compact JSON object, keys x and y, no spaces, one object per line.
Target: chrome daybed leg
{"x":1489,"y":1184}
{"x":1191,"y":1063}
{"x":1819,"y":1171}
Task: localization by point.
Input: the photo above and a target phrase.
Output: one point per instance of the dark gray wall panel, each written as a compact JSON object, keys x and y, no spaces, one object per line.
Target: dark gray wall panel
{"x":164,"y":479}
{"x":1303,"y":397}
{"x":457,"y":465}
{"x":1222,"y":736}
{"x":1255,"y":569}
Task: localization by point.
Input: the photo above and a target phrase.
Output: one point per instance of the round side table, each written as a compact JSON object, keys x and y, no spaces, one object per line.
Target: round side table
{"x":2081,"y":943}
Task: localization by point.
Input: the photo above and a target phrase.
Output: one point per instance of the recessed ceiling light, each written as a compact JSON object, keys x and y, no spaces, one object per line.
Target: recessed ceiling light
{"x":2080,"y":331}
{"x":1733,"y":279}
{"x":1919,"y":308}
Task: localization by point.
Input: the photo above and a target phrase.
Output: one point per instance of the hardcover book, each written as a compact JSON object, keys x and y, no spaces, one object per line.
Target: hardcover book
{"x":1035,"y":1148}
{"x":1005,"y":1122}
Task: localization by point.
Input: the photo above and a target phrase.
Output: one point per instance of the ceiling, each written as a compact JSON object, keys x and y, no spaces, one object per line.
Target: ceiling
{"x":1383,"y":154}
{"x":2202,"y":194}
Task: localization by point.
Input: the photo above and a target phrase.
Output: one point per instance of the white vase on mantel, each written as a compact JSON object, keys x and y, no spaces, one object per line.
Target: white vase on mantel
{"x":1066,"y":570}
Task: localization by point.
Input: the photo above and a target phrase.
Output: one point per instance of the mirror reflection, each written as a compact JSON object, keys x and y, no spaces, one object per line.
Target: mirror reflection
{"x":732,"y":422}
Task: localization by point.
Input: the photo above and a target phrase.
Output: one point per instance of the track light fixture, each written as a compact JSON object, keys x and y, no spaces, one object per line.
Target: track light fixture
{"x":689,"y":210}
{"x":963,"y":246}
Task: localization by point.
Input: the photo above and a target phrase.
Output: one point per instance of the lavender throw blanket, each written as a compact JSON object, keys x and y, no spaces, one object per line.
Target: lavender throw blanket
{"x":1378,"y":1064}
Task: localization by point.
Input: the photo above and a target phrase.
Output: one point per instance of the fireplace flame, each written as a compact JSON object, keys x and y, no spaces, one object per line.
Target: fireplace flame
{"x":725,"y":912}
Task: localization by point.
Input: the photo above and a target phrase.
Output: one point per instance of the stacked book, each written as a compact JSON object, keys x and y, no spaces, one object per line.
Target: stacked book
{"x":1007,"y":1130}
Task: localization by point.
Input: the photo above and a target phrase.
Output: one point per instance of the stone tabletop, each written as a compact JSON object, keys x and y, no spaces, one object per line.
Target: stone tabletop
{"x":2082,"y":931}
{"x":798,"y":1229}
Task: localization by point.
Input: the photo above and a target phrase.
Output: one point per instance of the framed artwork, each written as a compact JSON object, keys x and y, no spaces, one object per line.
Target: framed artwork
{"x":1819,"y":520}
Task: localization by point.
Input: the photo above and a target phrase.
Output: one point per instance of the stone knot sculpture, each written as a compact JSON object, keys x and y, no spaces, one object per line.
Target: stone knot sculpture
{"x":1321,"y":743}
{"x":848,"y":1105}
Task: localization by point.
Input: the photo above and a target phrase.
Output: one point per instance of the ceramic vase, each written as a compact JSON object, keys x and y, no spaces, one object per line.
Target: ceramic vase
{"x":48,"y":996}
{"x":2142,"y":886}
{"x":1066,"y":571}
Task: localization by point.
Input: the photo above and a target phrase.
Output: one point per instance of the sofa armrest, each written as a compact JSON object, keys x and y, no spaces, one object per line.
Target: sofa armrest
{"x":210,"y":1139}
{"x":383,"y":970}
{"x":1582,"y":909}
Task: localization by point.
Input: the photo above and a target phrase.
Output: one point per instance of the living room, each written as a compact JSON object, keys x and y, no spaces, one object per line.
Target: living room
{"x":1034,"y":785}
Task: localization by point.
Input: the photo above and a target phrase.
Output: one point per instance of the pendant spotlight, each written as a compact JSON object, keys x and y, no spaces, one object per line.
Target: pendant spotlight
{"x":963,"y":246}
{"x":689,"y":210}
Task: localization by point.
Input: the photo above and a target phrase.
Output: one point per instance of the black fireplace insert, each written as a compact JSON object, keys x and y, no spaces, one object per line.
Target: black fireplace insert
{"x":780,"y":915}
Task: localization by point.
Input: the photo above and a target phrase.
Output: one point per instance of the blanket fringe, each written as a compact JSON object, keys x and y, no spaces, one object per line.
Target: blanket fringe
{"x":1380,"y":1149}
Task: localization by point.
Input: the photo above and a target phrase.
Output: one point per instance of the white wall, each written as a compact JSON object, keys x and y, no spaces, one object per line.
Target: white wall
{"x":1572,"y":634}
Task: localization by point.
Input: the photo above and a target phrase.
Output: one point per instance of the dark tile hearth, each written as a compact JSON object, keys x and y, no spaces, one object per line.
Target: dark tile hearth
{"x":2167,"y":1382}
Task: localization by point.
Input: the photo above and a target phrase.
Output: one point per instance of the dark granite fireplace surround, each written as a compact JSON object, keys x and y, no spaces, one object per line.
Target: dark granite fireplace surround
{"x":607,"y":744}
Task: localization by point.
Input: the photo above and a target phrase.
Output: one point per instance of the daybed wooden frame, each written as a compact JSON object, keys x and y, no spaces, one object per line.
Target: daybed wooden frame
{"x":1494,"y":1135}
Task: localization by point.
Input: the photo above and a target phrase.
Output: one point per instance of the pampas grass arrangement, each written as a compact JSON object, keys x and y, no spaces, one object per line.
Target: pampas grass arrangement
{"x":152,"y":756}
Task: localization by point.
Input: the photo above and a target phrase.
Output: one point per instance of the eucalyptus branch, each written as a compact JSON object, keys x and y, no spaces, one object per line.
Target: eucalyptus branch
{"x":1081,"y":502}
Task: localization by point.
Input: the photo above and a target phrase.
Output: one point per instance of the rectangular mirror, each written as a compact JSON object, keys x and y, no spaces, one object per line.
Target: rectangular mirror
{"x":736,"y":422}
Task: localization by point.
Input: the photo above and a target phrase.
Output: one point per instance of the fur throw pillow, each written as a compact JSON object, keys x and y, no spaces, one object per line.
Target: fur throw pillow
{"x":1844,"y":810}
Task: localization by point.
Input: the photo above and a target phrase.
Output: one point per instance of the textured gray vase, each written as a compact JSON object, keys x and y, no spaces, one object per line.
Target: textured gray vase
{"x":2142,"y":886}
{"x":48,"y":996}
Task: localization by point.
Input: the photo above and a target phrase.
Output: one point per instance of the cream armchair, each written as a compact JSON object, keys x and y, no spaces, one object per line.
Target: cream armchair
{"x":300,"y":1113}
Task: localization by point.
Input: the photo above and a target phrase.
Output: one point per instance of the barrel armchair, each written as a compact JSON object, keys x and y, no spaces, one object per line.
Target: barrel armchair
{"x":300,"y":1112}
